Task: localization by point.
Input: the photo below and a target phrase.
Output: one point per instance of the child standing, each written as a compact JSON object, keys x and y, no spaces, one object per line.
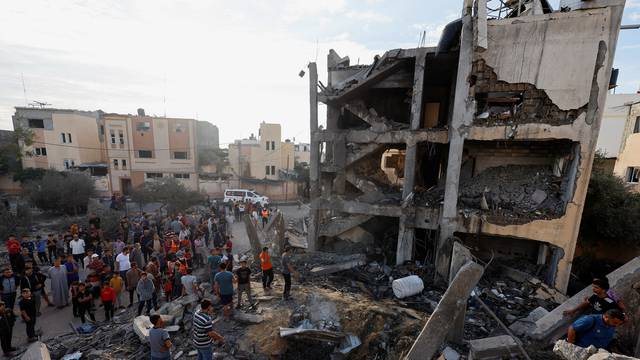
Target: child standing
{"x":108,"y":297}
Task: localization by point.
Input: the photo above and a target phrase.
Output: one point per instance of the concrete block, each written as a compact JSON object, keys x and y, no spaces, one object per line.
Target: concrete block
{"x":569,"y":351}
{"x":497,"y":347}
{"x":526,"y":325}
{"x":551,"y":327}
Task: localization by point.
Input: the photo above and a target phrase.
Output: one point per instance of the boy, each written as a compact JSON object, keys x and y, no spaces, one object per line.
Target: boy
{"x":75,"y":292}
{"x":28,"y":313}
{"x":117,"y":283}
{"x":108,"y":297}
{"x":41,"y":244}
{"x":224,"y":289}
{"x":84,"y":302}
{"x":243,"y":277}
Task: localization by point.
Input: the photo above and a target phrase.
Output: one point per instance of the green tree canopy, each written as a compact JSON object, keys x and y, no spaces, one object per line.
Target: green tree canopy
{"x":61,"y":192}
{"x":169,"y":192}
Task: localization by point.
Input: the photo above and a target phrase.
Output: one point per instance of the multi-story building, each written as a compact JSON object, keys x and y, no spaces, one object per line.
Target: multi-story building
{"x":140,"y":148}
{"x":495,"y":131}
{"x":62,"y":138}
{"x":302,"y":153}
{"x":619,"y":139}
{"x":264,"y":157}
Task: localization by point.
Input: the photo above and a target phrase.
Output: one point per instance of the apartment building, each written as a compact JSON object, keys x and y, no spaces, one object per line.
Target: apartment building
{"x":493,"y":131}
{"x":302,"y":153}
{"x":619,"y":139}
{"x":62,"y":138}
{"x":264,"y":157}
{"x":140,"y":148}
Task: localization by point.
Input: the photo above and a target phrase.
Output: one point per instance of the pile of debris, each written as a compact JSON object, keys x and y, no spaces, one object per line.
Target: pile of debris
{"x":514,"y":191}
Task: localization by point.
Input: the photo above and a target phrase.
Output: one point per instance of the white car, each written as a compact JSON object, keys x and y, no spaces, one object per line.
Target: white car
{"x":245,"y":195}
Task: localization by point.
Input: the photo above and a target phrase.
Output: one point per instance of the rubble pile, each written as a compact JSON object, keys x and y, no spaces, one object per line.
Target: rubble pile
{"x":514,"y":191}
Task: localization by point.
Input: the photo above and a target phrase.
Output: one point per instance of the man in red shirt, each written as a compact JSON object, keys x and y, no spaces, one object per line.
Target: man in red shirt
{"x":108,"y":297}
{"x":13,"y":247}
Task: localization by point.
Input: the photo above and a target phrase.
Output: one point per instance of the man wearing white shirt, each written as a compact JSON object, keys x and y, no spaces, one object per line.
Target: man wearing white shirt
{"x":77,"y":249}
{"x":123,"y":263}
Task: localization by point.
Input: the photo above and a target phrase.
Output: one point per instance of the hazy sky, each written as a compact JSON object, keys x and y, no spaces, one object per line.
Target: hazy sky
{"x":232,"y":63}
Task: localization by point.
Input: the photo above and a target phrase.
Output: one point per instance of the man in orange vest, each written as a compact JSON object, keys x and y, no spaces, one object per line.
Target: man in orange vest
{"x":267,"y":268}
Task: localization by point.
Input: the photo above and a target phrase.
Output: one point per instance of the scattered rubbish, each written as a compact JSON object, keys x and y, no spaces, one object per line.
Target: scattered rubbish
{"x":247,"y":318}
{"x":449,"y":354}
{"x":75,"y":356}
{"x":349,"y":343}
{"x":37,"y":351}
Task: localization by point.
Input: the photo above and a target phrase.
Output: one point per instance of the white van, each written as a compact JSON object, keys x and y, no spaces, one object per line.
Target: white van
{"x":245,"y":195}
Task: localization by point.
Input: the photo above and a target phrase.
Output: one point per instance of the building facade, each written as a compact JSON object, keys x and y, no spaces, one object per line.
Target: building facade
{"x":62,"y":139}
{"x":302,"y":153}
{"x":141,"y":148}
{"x":628,"y":161}
{"x":497,"y":129}
{"x":264,"y":157}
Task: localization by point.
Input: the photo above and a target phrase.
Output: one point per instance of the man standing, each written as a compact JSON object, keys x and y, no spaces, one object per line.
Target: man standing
{"x":213,"y":261}
{"x":77,"y":249}
{"x":7,"y":319}
{"x":29,"y":313}
{"x":267,"y":269}
{"x":9,"y":286}
{"x":243,"y":276}
{"x":189,"y":286}
{"x":59,"y":284}
{"x":145,"y":291}
{"x":203,"y":334}
{"x":597,"y":330}
{"x":159,"y":340}
{"x":132,"y":277}
{"x":265,"y":216}
{"x":32,"y":282}
{"x":123,"y":263}
{"x":287,"y":270}
{"x":15,"y":256}
{"x":224,"y":289}
{"x":51,"y":247}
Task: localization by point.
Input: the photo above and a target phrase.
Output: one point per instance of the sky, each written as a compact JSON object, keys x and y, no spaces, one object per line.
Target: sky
{"x":232,"y":63}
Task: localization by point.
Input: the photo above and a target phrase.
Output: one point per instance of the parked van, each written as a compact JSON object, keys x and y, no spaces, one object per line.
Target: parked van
{"x":245,"y":195}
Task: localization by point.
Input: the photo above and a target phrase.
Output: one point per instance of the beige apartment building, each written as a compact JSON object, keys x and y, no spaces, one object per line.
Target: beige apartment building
{"x":302,"y":153}
{"x":140,"y":148}
{"x":619,"y":139}
{"x":264,"y":157}
{"x":62,"y":138}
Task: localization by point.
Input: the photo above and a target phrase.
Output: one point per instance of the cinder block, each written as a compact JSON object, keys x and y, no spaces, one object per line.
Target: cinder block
{"x":493,"y":348}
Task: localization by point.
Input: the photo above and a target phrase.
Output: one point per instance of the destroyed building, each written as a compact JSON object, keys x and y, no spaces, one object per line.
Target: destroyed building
{"x":488,"y":137}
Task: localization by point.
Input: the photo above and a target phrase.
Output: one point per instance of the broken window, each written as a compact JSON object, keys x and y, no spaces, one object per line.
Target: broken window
{"x":153,"y":175}
{"x":633,"y":175}
{"x":121,"y":137}
{"x":40,"y":151}
{"x":112,"y":133}
{"x":180,"y":155}
{"x":36,"y":123}
{"x":636,"y":127}
{"x":181,"y":176}
{"x":63,"y":138}
{"x":124,"y":164}
{"x":115,"y":164}
{"x":143,"y":125}
{"x":266,"y":169}
{"x":273,"y":170}
{"x":145,"y":154}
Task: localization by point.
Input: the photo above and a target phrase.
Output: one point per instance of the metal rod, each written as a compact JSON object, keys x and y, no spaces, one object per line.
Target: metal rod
{"x":502,"y":325}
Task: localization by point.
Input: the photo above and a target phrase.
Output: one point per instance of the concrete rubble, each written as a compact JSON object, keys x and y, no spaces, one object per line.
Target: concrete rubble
{"x":569,"y":351}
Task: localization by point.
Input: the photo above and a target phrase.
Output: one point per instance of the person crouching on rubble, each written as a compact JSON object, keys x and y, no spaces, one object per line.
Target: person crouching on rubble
{"x":224,"y":289}
{"x":598,"y":303}
{"x":159,"y":340}
{"x":203,"y":334}
{"x":597,"y":330}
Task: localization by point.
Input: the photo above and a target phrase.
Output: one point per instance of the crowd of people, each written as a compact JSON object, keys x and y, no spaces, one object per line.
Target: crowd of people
{"x":152,"y":257}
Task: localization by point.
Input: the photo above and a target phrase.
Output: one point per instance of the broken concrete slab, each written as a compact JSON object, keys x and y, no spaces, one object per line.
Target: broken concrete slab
{"x":497,"y":347}
{"x":313,"y":334}
{"x":36,"y":351}
{"x":450,"y":306}
{"x":524,"y":326}
{"x":449,"y":354}
{"x":142,"y":324}
{"x":242,"y":316}
{"x":551,"y":327}
{"x":358,"y":260}
{"x":570,"y":351}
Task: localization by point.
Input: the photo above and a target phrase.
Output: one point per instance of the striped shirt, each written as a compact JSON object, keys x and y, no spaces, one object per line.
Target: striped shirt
{"x":201,"y":327}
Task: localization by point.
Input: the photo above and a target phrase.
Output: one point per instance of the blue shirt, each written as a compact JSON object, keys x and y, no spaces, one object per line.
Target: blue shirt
{"x":42,"y":245}
{"x":591,"y":330}
{"x":224,"y":280}
{"x":157,"y":337}
{"x":214,"y":263}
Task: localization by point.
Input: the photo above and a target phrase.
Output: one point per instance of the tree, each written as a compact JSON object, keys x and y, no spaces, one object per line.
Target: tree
{"x":61,"y":192}
{"x":12,"y":150}
{"x":611,"y":212}
{"x":169,"y":192}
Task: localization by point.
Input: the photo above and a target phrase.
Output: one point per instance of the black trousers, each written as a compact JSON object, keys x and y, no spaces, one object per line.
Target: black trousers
{"x":86,"y":309}
{"x":5,"y":341}
{"x":31,"y":328}
{"x":141,"y":306}
{"x":287,"y":285}
{"x":78,"y":259}
{"x":42,"y":256}
{"x":267,"y":278}
{"x":108,"y":310}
